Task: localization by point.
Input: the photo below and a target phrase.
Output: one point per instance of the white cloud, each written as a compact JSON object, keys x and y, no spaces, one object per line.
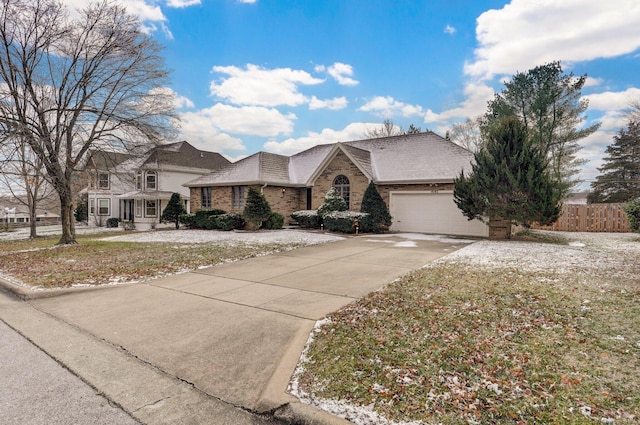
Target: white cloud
{"x":387,"y":106}
{"x":342,"y":73}
{"x":527,"y":33}
{"x":353,"y":131}
{"x":449,"y":30}
{"x":477,"y":95}
{"x":247,"y":1}
{"x":609,"y":101}
{"x":255,"y":85}
{"x":334,"y":104}
{"x":247,"y":120}
{"x":198,"y":129}
{"x":182,"y":3}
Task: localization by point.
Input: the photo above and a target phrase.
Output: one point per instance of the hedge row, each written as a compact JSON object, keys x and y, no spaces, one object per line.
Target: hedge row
{"x":335,"y":221}
{"x":221,"y":220}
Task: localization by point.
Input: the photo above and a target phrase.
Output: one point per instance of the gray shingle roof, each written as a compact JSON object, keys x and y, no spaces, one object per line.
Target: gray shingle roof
{"x":410,"y":158}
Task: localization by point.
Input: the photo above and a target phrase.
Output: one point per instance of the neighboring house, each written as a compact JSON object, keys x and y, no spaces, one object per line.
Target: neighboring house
{"x":137,"y":188}
{"x":414,"y":173}
{"x":15,"y":212}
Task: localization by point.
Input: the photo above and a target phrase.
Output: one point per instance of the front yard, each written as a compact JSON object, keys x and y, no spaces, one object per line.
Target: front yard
{"x":126,"y":257}
{"x":498,"y":332}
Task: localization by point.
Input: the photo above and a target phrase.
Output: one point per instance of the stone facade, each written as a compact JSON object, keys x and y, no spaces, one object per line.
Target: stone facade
{"x":340,"y":165}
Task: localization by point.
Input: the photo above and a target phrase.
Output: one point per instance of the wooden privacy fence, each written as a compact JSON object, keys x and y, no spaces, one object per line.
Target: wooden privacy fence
{"x":591,"y":218}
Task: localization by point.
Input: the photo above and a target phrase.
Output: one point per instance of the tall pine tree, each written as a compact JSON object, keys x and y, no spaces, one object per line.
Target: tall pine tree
{"x":256,"y":209}
{"x":174,"y":208}
{"x":509,"y":180}
{"x":620,"y":178}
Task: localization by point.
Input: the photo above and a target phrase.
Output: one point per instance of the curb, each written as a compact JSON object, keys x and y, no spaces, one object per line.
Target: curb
{"x":26,"y":293}
{"x":303,"y":414}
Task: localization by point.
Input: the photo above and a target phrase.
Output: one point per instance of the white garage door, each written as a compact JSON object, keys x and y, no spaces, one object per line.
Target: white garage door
{"x":427,"y":212}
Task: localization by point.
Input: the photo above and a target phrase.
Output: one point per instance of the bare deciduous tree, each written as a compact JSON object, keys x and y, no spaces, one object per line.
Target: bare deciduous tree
{"x":23,"y":176}
{"x":68,"y":84}
{"x":387,"y":129}
{"x":467,"y":134}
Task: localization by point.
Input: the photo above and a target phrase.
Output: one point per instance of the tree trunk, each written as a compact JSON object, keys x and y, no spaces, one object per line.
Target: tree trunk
{"x":499,"y":228}
{"x":66,"y":215}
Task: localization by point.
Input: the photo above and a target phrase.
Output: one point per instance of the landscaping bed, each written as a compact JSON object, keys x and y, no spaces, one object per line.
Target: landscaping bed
{"x":497,"y":332}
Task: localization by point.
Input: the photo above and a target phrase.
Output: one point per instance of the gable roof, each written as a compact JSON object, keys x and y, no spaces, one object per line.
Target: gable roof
{"x":410,"y":158}
{"x":183,"y":154}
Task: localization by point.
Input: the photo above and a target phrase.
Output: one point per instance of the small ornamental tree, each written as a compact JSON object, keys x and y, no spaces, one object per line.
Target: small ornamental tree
{"x":173,"y":210}
{"x":256,"y":209}
{"x":378,"y":218}
{"x":82,"y":209}
{"x":509,"y":181}
{"x":332,"y":202}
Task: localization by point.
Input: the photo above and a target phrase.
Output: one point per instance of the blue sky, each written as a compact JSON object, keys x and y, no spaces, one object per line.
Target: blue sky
{"x":284,"y":75}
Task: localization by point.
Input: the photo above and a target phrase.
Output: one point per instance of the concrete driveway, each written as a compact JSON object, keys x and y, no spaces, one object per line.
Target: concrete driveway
{"x":185,"y":347}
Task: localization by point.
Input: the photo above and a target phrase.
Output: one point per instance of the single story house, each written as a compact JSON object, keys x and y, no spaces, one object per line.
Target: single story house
{"x":414,"y":174}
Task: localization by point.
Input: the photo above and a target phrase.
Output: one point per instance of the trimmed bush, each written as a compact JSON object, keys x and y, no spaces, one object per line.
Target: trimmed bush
{"x":274,"y":222}
{"x":342,"y":221}
{"x":256,"y":209}
{"x":202,"y":218}
{"x":229,"y":221}
{"x":308,"y":219}
{"x":332,"y":202}
{"x":113,"y":222}
{"x":188,"y":220}
{"x":378,"y":219}
{"x":633,"y":213}
{"x":174,"y":209}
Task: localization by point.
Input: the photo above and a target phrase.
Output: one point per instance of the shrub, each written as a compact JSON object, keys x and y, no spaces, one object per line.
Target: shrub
{"x":173,"y":210}
{"x":274,"y":222}
{"x":113,"y":222}
{"x":633,"y":212}
{"x":256,"y":209}
{"x":81,"y":212}
{"x":201,"y":219}
{"x":229,"y":221}
{"x":307,"y":218}
{"x":378,"y":219}
{"x":188,"y":220}
{"x":342,"y":221}
{"x":332,"y":202}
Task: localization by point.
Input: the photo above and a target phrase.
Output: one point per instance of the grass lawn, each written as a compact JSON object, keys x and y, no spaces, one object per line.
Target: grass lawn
{"x":39,"y":262}
{"x":466,"y":343}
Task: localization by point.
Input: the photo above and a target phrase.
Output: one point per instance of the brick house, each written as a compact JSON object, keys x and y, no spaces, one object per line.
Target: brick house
{"x":414,"y":173}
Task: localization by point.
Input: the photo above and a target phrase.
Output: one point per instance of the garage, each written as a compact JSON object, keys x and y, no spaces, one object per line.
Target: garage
{"x":431,"y":212}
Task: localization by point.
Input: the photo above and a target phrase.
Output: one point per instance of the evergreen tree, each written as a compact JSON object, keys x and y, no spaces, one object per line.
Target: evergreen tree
{"x":378,"y":218}
{"x":551,"y":106}
{"x":256,"y":209}
{"x":332,"y":202}
{"x":620,"y":178}
{"x":82,"y":209}
{"x":509,"y":180}
{"x":173,"y":210}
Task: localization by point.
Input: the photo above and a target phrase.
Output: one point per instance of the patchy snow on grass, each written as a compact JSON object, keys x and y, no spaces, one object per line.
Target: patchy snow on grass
{"x":583,"y":250}
{"x":263,"y":237}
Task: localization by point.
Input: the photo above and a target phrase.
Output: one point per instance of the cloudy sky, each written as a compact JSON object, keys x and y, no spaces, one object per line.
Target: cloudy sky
{"x":284,"y":75}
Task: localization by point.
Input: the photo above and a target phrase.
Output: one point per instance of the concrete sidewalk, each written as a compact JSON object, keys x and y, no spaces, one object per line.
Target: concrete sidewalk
{"x":195,"y":347}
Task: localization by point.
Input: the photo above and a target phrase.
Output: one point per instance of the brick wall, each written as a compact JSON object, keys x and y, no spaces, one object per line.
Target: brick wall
{"x":283,"y":202}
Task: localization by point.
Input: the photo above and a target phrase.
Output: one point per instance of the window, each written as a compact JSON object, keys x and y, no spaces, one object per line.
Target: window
{"x":103,"y":181}
{"x":138,"y":207}
{"x":341,"y":184}
{"x":237,"y":200}
{"x":151,"y":180}
{"x":206,"y":197}
{"x":150,"y":209}
{"x":138,"y":180}
{"x":103,"y":207}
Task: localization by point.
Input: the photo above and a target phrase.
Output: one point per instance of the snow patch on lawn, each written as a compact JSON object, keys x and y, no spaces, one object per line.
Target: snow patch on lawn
{"x":264,"y":237}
